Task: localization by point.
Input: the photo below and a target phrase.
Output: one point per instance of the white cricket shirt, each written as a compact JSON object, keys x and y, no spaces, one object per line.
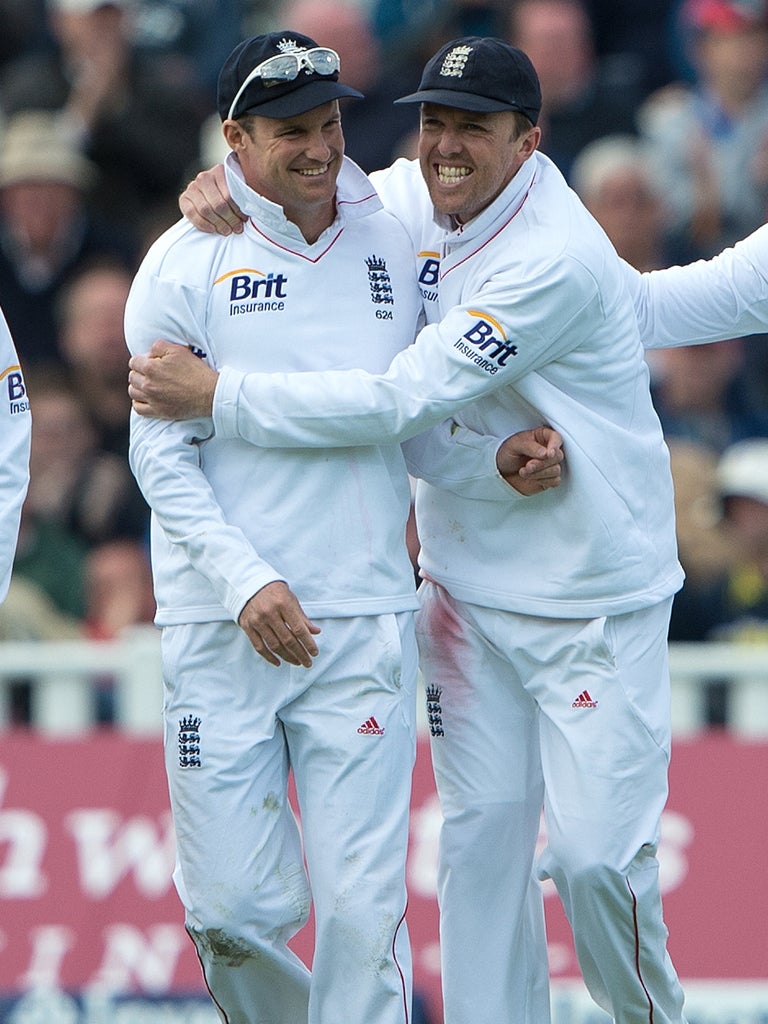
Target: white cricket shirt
{"x":229,"y":517}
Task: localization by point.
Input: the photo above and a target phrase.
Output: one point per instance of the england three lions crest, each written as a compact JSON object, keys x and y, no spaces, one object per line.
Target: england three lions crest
{"x":379,"y":281}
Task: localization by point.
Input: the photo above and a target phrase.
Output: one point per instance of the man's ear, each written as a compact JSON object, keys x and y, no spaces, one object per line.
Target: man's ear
{"x":234,"y":134}
{"x":531,"y":142}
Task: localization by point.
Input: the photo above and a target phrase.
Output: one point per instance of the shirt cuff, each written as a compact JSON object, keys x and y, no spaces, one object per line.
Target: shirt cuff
{"x":225,"y":402}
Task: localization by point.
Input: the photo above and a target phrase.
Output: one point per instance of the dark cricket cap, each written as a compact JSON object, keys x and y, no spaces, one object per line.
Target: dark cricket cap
{"x":269,"y":98}
{"x":480,"y":73}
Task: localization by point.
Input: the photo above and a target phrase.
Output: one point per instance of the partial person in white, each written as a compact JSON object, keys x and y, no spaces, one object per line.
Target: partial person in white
{"x":286,"y":544}
{"x":15,"y":436}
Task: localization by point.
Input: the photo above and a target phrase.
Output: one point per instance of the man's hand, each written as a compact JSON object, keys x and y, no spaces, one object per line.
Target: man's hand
{"x":171,"y":383}
{"x":277,"y":627}
{"x":207,"y":204}
{"x":530,"y":461}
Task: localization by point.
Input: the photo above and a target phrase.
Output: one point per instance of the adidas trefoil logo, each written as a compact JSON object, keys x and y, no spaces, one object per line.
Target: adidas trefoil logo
{"x":584,"y":701}
{"x":371,"y":728}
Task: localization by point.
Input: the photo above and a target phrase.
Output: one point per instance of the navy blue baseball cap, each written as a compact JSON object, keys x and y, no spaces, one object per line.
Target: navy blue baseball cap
{"x":480,"y":73}
{"x":279,"y":74}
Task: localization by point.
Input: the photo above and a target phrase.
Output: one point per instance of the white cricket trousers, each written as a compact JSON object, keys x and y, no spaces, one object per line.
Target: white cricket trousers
{"x":572,"y":715}
{"x":234,"y":727}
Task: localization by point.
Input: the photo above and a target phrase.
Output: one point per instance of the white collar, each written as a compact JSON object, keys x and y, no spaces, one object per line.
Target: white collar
{"x":355,"y":197}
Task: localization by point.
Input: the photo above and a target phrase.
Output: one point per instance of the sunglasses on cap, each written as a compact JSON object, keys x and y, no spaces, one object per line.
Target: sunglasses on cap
{"x":284,"y":67}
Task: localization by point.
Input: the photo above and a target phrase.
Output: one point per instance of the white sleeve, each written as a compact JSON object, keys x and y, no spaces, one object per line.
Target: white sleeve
{"x":15,"y":432}
{"x":466,"y":355}
{"x":454,"y":458}
{"x":165,"y":456}
{"x":709,"y":300}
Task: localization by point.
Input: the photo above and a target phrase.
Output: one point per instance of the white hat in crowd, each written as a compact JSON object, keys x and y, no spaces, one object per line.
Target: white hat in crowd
{"x":35,"y":148}
{"x":743,"y":470}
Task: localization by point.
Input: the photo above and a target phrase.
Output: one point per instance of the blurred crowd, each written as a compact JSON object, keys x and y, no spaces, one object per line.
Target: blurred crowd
{"x":655,"y":111}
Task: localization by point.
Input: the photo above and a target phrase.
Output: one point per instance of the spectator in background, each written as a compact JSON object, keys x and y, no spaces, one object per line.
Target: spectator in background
{"x":135,"y":122}
{"x":118,"y":588}
{"x":28,"y":613}
{"x":736,"y":608}
{"x":698,"y":392}
{"x":705,"y":550}
{"x":616,"y":182}
{"x":92,"y":348}
{"x":76,"y":484}
{"x":46,"y":230}
{"x":581,"y":98}
{"x":710,"y":138}
{"x":52,"y":559}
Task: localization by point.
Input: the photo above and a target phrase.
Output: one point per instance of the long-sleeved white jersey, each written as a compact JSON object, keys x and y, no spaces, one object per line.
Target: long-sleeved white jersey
{"x":530,"y":320}
{"x":228,"y":517}
{"x":15,"y":433}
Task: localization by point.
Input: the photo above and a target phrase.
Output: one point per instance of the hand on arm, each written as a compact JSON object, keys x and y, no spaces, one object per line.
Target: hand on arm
{"x":171,"y":383}
{"x":531,"y":460}
{"x":207,"y":204}
{"x":481,"y":467}
{"x":276,"y":625}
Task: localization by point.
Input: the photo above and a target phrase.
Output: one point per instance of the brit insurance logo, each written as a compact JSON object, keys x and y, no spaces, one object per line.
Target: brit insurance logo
{"x":485,"y":343}
{"x":13,"y":383}
{"x":429,"y":275}
{"x":253,"y":291}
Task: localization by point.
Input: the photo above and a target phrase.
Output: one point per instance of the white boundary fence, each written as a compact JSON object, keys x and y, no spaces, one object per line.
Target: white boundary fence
{"x":62,"y":675}
{"x":744,"y":666}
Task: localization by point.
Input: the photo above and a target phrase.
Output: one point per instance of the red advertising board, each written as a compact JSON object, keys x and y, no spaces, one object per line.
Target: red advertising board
{"x":86,"y":854}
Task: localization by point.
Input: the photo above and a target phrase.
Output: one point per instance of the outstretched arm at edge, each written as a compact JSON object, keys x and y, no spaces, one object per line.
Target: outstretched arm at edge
{"x":709,"y":300}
